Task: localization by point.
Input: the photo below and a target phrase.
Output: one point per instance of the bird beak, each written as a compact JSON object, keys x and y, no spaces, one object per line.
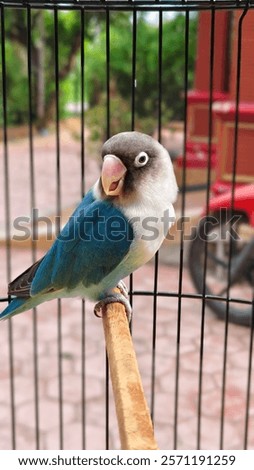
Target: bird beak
{"x":112,"y":175}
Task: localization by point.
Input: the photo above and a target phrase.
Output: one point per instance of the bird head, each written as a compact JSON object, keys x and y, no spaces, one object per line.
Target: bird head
{"x":134,"y":162}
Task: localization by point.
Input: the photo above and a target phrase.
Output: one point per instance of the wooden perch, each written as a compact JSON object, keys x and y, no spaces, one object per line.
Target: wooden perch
{"x":134,"y":421}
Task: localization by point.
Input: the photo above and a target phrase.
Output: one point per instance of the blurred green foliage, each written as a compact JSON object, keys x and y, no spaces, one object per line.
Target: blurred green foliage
{"x":95,"y":71}
{"x":146,"y":73}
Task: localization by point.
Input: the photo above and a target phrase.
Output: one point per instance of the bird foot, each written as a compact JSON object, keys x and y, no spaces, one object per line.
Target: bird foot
{"x":123,"y":289}
{"x":99,"y":308}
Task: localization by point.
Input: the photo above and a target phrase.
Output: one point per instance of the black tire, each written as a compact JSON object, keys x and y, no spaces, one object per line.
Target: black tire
{"x":238,"y":313}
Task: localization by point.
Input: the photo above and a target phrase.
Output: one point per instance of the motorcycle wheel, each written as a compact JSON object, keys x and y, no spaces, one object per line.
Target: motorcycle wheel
{"x":213,"y":231}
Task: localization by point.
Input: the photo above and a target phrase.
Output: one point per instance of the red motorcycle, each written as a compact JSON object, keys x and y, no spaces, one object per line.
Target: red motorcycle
{"x":221,"y":257}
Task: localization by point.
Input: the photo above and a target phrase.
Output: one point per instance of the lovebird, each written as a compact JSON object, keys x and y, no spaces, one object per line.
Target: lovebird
{"x":118,"y":226}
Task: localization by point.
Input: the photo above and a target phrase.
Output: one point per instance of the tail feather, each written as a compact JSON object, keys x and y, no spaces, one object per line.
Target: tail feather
{"x":21,"y":304}
{"x":18,"y":305}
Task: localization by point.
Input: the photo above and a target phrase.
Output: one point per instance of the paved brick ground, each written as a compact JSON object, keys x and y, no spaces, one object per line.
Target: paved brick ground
{"x":71,"y":347}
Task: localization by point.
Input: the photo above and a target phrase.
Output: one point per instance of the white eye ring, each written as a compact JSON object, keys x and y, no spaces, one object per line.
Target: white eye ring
{"x":141,"y":159}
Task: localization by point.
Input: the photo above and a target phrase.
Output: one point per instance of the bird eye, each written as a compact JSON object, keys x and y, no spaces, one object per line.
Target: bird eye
{"x":141,"y":159}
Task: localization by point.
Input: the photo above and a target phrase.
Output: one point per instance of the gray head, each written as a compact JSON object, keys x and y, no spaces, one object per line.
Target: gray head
{"x":132,"y":160}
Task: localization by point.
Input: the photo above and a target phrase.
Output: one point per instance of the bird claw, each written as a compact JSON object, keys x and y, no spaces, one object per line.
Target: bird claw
{"x":123,"y":289}
{"x":99,"y":308}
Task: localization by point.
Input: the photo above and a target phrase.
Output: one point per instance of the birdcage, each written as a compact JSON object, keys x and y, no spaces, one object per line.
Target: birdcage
{"x":73,"y":73}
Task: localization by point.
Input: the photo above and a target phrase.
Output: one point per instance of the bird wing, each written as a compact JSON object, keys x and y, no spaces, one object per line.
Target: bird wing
{"x":20,"y":287}
{"x":93,"y":242}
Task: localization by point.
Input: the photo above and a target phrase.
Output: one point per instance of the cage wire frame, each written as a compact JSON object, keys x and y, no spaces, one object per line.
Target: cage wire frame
{"x":134,"y":7}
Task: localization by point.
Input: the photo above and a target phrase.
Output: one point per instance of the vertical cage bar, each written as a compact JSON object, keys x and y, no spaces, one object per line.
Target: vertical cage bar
{"x":58,"y":210}
{"x":82,"y":93}
{"x":7,"y":223}
{"x":249,"y":377}
{"x":82,"y":159}
{"x":108,"y":72}
{"x":107,"y":378}
{"x":156,"y":260}
{"x":160,"y":71}
{"x":32,"y":206}
{"x":180,"y":283}
{"x":107,"y":136}
{"x":134,"y":66}
{"x":208,"y":185}
{"x":133,"y":106}
{"x":234,"y":166}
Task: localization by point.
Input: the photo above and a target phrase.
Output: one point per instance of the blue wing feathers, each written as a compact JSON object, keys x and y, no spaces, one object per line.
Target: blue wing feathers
{"x":93,"y":242}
